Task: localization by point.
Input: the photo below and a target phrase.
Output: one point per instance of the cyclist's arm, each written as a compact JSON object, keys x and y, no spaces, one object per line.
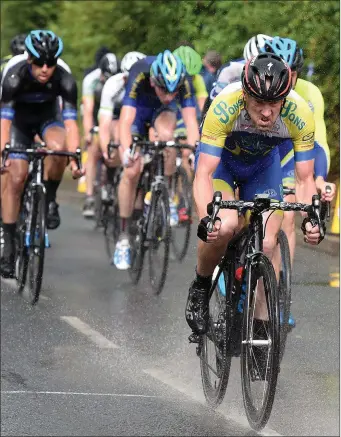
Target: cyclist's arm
{"x":128,"y":111}
{"x":8,"y":90}
{"x":127,"y":117}
{"x":190,"y":119}
{"x":203,"y":182}
{"x":69,"y":112}
{"x":211,"y":145}
{"x":304,"y":153}
{"x":189,"y":112}
{"x":107,"y":105}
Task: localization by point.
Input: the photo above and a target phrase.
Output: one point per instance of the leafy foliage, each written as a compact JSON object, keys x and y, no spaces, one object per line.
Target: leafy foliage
{"x":153,"y":25}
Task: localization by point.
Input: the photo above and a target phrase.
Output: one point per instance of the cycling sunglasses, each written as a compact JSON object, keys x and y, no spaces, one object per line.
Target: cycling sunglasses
{"x":40,"y":62}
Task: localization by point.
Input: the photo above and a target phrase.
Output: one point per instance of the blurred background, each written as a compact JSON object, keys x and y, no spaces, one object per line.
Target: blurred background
{"x":225,"y":26}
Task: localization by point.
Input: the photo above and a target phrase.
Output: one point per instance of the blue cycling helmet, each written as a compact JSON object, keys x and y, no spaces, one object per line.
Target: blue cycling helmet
{"x":287,"y":49}
{"x":43,"y":45}
{"x":168,"y":71}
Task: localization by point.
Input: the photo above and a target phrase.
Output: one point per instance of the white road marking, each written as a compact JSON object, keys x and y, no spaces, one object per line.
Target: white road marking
{"x":198,"y":396}
{"x":92,"y":335}
{"x":73,"y":393}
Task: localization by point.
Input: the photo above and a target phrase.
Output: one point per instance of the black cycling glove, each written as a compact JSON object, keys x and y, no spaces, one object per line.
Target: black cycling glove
{"x":202,"y":228}
{"x":313,"y":224}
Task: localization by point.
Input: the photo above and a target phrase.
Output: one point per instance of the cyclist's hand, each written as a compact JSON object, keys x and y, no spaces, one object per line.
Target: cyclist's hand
{"x":127,"y":160}
{"x":204,"y":235}
{"x":311,"y":232}
{"x":327,"y":194}
{"x":76,"y":173}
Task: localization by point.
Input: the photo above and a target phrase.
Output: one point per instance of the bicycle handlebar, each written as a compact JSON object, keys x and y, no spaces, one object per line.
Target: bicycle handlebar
{"x":41,"y":151}
{"x":262,"y":204}
{"x":157,"y":145}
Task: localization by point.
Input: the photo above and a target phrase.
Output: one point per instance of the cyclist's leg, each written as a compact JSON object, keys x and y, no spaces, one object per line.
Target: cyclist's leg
{"x":181,"y":131}
{"x":11,"y":196}
{"x":266,"y":179}
{"x":54,"y":135}
{"x":126,"y":195}
{"x":209,"y":255}
{"x":93,"y":156}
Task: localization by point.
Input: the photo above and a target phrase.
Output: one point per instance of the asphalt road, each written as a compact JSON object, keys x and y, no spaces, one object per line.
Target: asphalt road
{"x":100,"y":357}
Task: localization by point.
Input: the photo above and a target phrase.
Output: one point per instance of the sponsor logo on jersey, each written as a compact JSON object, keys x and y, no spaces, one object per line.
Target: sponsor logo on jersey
{"x":289,"y":111}
{"x":224,"y":111}
{"x":308,"y":137}
{"x":136,"y":83}
{"x":270,"y":192}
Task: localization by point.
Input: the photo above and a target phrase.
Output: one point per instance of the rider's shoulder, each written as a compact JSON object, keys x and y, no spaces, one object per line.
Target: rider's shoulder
{"x":92,"y":76}
{"x":294,"y":103}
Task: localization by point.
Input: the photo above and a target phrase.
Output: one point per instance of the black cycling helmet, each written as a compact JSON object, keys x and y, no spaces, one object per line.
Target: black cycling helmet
{"x":44,"y":45}
{"x":18,"y":44}
{"x":267,"y":67}
{"x":109,"y":65}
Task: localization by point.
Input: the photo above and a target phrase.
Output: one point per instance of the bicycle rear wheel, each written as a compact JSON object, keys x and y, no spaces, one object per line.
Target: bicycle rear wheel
{"x":284,"y":289}
{"x":159,"y":235}
{"x":137,"y":248}
{"x":36,"y":251}
{"x":181,"y":233}
{"x":215,"y":362}
{"x":260,"y":344}
{"x":111,"y":228}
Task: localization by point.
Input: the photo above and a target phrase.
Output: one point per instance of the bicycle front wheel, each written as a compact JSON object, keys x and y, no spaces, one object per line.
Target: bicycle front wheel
{"x":36,"y":251}
{"x":284,"y":289}
{"x":260,"y":343}
{"x":21,"y":256}
{"x":159,"y":234}
{"x":215,"y":362}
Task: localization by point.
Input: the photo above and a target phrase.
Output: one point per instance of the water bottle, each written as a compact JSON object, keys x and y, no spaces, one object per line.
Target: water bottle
{"x":239,"y":276}
{"x":146,"y":204}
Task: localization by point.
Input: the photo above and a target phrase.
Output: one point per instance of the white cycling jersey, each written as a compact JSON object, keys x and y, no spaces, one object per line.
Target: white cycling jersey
{"x":112,"y":93}
{"x":90,"y":82}
{"x":228,"y":73}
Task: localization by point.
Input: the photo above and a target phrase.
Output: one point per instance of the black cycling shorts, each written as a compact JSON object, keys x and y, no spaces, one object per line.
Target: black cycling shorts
{"x":30,"y":120}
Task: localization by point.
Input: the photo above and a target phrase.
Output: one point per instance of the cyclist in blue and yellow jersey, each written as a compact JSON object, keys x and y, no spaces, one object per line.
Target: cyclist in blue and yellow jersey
{"x":155,"y":85}
{"x":244,"y":129}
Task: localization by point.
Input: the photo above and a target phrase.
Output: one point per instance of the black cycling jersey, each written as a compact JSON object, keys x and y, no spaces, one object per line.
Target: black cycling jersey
{"x":33,"y":106}
{"x":21,"y":91}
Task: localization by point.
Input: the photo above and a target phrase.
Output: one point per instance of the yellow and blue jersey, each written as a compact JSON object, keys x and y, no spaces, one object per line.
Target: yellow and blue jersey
{"x":228,"y":125}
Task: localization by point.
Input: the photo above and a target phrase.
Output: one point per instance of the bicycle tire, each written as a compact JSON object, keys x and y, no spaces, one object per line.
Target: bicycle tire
{"x":284,"y":289}
{"x":137,"y":248}
{"x":160,"y":198}
{"x":99,"y":207}
{"x":180,"y":249}
{"x":214,"y":393}
{"x":111,"y":228}
{"x":37,"y":244}
{"x":259,"y":267}
{"x":21,"y":256}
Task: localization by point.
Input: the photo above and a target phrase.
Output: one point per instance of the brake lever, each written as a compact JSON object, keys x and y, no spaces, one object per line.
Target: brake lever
{"x":133,"y":147}
{"x":213,"y":209}
{"x":316,"y":217}
{"x":79,"y":158}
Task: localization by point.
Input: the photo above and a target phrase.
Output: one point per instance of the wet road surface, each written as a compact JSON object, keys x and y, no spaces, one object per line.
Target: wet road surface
{"x":98,"y":356}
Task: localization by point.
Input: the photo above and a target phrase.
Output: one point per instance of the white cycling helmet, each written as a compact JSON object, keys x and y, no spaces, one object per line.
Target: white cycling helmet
{"x":129,"y":60}
{"x":254,"y":45}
